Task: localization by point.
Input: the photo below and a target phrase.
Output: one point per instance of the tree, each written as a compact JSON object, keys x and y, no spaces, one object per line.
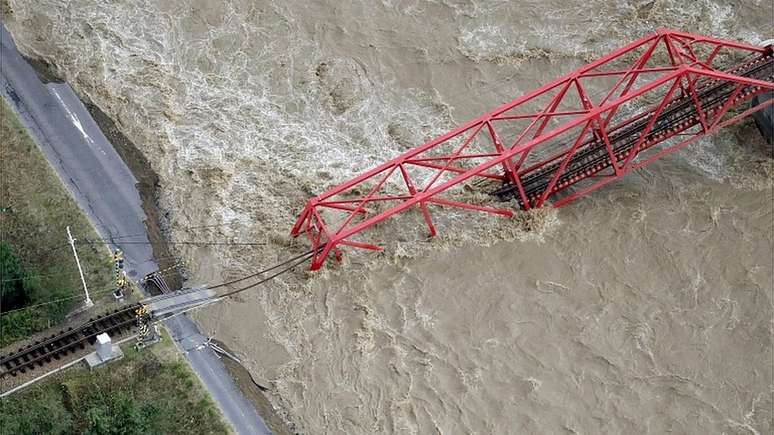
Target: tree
{"x":13,"y":293}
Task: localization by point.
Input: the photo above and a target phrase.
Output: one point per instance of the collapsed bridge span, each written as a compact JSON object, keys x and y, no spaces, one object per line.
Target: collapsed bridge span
{"x":559,"y":142}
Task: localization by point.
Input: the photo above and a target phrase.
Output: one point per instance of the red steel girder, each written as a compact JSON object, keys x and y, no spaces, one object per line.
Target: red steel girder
{"x":670,"y":78}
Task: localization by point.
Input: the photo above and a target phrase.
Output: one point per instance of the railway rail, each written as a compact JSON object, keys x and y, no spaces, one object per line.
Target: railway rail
{"x":53,"y":348}
{"x":130,"y":317}
{"x":607,"y":139}
{"x":679,"y":115}
{"x":557,"y":143}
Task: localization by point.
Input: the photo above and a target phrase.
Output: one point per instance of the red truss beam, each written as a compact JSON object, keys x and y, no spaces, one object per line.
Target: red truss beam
{"x":584,"y":130}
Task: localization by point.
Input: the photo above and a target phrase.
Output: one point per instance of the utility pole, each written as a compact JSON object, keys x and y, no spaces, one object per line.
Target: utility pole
{"x":87,"y":302}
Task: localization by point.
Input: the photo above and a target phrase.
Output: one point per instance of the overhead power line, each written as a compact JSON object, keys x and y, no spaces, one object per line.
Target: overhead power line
{"x":305,"y":256}
{"x":176,"y":242}
{"x":144,"y":233}
{"x":38,"y":276}
{"x":268,"y":278}
{"x":55,"y":301}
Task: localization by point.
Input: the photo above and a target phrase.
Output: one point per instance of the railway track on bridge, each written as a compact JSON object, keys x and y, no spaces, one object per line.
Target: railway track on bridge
{"x":708,"y":96}
{"x":678,"y":116}
{"x":557,"y":143}
{"x":52,"y":349}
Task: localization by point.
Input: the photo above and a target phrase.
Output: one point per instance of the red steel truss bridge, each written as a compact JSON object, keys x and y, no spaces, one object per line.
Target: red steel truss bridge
{"x":557,"y":143}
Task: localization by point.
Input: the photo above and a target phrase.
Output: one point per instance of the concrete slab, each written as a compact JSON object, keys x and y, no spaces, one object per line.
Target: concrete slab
{"x":178,"y":301}
{"x":94,"y":359}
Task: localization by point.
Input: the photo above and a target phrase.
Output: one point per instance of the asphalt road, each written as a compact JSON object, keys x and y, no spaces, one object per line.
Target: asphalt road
{"x":104,"y":188}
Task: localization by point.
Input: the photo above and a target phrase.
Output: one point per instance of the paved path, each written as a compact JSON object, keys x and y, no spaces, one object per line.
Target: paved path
{"x":104,"y":188}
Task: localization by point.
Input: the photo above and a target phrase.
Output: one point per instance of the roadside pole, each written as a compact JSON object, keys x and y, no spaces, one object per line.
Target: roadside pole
{"x":87,"y":302}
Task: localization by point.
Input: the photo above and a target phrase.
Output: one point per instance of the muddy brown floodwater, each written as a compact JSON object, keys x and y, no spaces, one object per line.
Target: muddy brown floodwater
{"x":645,"y":307}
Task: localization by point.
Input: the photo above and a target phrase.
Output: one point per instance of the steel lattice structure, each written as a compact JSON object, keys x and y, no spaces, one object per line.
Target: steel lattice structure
{"x":584,"y":130}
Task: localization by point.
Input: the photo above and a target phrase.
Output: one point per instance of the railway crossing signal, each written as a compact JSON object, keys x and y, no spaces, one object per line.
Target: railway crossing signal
{"x":147,"y":333}
{"x":120,"y":274}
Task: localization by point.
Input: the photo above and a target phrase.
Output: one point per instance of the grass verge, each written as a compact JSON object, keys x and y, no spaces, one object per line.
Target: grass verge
{"x":147,"y":392}
{"x":151,"y":391}
{"x":35,"y":209}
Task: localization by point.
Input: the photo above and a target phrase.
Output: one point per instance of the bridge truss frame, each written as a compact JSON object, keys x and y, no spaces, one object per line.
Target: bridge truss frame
{"x":546,"y":126}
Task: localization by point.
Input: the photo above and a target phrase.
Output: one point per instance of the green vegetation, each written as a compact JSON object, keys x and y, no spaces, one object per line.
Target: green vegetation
{"x":36,"y":264}
{"x":151,"y":391}
{"x":13,"y":291}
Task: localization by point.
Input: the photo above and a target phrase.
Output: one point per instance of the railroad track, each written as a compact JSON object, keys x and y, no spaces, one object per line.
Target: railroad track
{"x":678,"y":116}
{"x":43,"y":352}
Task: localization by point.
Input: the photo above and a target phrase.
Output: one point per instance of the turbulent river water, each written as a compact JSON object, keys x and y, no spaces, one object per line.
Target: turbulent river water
{"x":645,"y":307}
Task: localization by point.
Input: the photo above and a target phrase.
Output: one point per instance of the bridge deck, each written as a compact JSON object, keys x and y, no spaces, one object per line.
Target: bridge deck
{"x":171,"y":303}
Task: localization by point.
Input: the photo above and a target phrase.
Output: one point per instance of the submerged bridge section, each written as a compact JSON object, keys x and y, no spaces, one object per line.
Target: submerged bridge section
{"x":558,"y":143}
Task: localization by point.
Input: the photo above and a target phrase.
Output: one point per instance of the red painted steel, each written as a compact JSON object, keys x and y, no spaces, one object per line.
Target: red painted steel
{"x":588,"y":128}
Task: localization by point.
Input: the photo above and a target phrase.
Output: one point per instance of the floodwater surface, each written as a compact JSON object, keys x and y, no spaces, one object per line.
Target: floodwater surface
{"x":645,"y":307}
